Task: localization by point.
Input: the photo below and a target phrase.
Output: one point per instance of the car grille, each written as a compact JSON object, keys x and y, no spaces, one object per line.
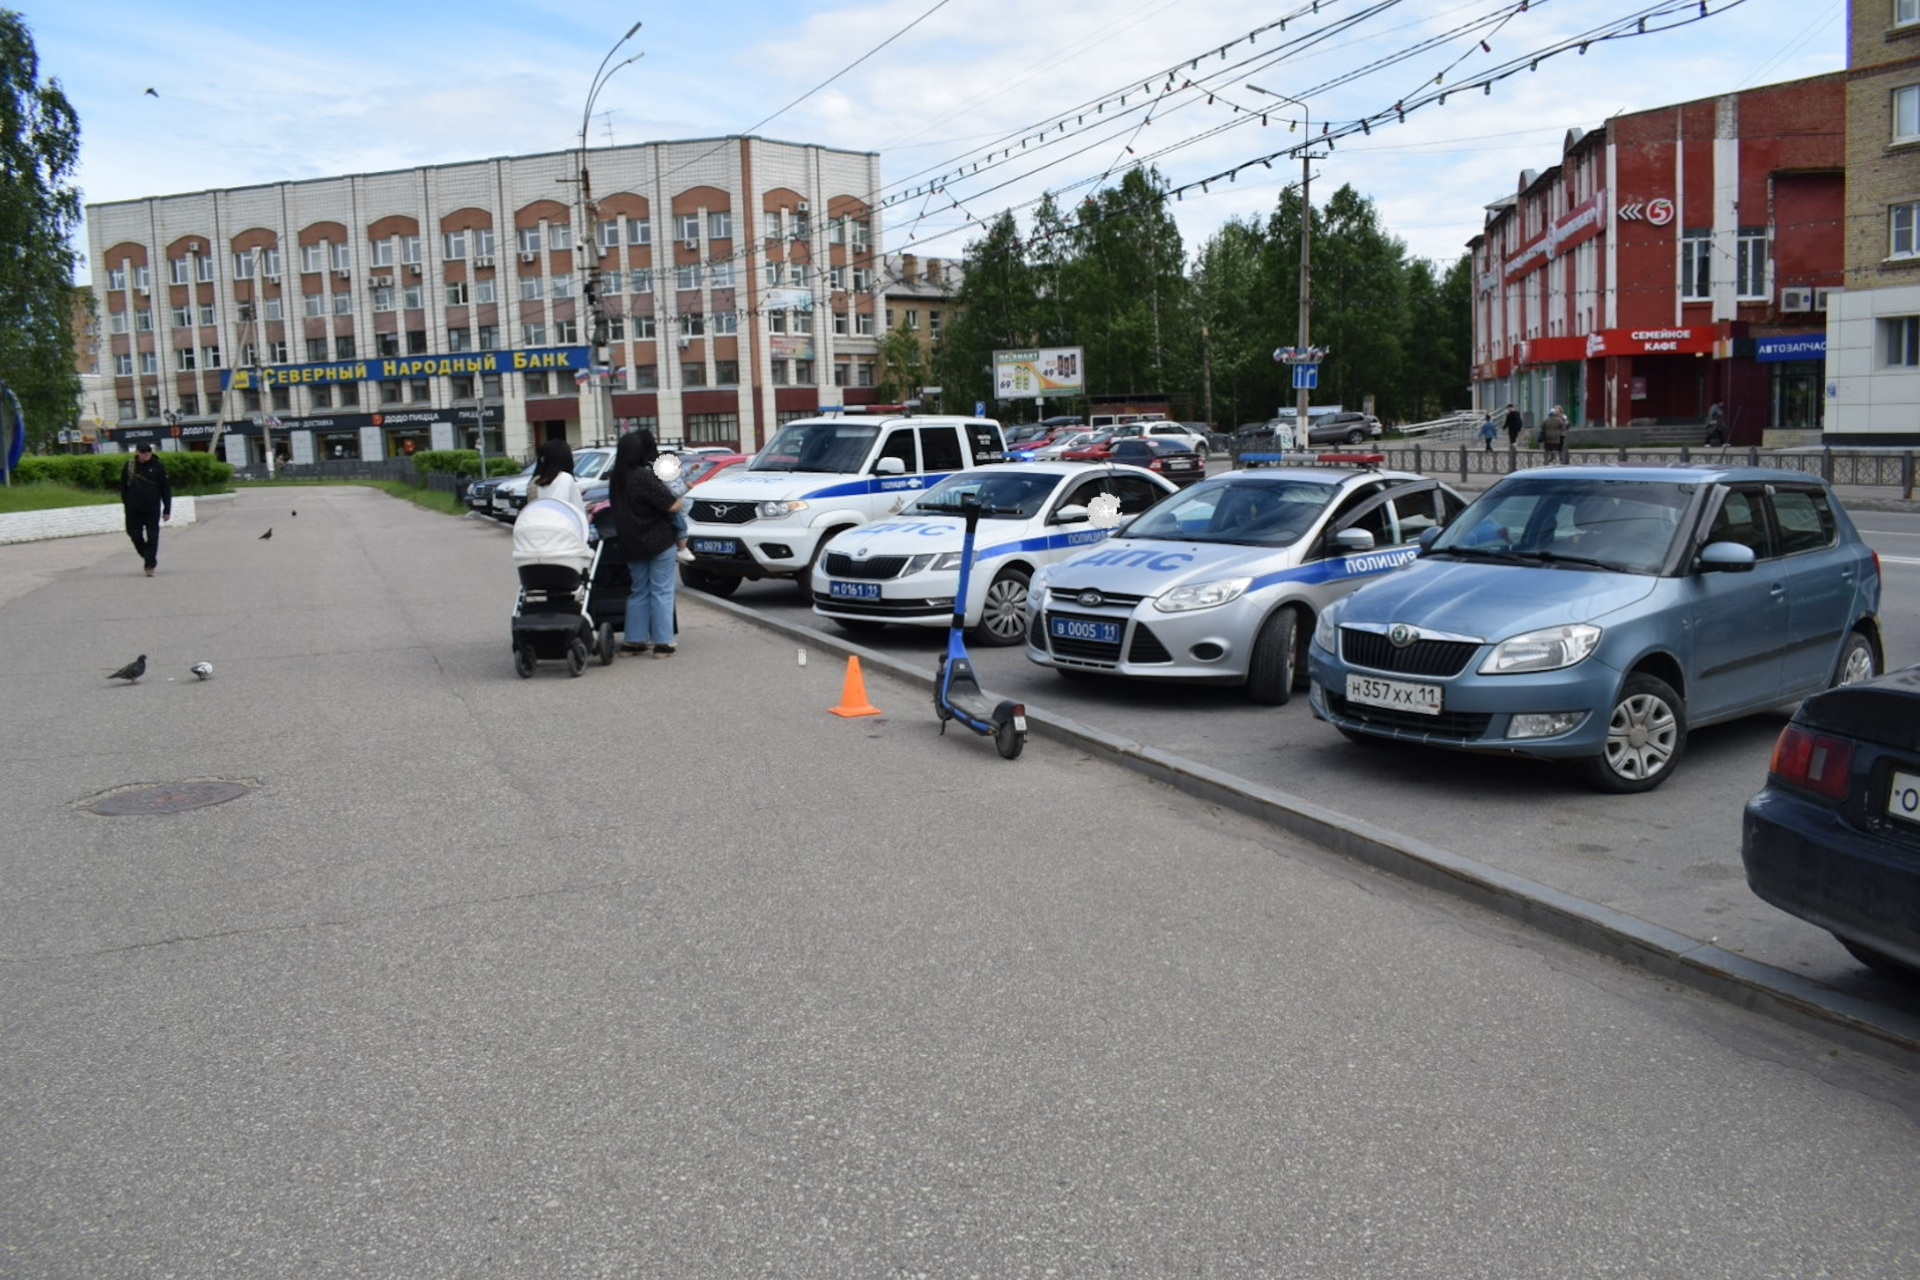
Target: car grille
{"x":1372,"y":650}
{"x":708,"y":512}
{"x":1112,"y":598}
{"x":1089,"y":650}
{"x":1146,"y":647}
{"x":842,"y":565}
{"x":1461,"y":726}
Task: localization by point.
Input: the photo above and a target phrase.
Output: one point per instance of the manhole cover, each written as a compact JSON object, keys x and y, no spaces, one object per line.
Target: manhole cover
{"x":166,"y":797}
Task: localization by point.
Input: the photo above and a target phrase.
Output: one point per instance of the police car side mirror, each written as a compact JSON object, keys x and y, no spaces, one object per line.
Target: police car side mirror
{"x":1073,"y":513}
{"x":889,"y":467}
{"x":1427,"y":536}
{"x":1353,"y":540}
{"x":1727,"y":557}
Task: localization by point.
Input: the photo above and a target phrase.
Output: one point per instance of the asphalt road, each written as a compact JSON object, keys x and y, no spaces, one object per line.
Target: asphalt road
{"x":1670,"y":857}
{"x":664,"y":971}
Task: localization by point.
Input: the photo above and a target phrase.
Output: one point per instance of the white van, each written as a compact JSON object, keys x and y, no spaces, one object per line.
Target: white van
{"x":816,"y":477}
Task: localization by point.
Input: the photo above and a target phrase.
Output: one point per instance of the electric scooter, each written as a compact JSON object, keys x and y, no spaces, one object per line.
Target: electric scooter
{"x":956,"y":690}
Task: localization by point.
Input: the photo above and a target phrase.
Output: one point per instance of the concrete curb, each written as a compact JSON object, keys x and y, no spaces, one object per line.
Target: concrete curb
{"x":76,"y":522}
{"x":1759,"y":988}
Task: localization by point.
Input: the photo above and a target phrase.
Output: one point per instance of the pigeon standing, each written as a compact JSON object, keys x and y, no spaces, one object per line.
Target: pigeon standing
{"x":266,"y":535}
{"x":294,"y":513}
{"x":202,"y":669}
{"x":132,"y":672}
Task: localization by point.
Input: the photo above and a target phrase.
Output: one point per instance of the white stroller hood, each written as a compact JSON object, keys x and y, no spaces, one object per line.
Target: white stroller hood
{"x":551,"y":532}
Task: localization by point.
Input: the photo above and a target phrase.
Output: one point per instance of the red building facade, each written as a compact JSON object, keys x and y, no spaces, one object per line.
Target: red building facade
{"x":1674,"y":259}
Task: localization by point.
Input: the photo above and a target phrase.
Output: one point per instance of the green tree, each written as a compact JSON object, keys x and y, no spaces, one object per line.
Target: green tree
{"x":1359,"y":305}
{"x":1126,"y":289}
{"x":902,"y":371}
{"x":995,"y":308}
{"x":1234,"y":304}
{"x":39,"y":210}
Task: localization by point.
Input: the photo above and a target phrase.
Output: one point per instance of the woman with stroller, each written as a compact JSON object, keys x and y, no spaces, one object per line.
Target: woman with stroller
{"x":553,"y":476}
{"x":643,"y":510}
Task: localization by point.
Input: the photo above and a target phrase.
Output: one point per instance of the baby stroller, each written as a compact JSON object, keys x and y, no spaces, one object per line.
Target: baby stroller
{"x":556,"y":564}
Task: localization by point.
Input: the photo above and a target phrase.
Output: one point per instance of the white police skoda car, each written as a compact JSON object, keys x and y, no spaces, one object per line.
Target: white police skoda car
{"x":1223,"y":583}
{"x":905,"y":568}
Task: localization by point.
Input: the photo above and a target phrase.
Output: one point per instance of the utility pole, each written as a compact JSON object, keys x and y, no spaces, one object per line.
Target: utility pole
{"x":1304,"y":352}
{"x":587,"y":255}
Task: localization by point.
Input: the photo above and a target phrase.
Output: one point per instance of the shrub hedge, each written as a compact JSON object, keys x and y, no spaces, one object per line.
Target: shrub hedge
{"x":462,"y":462}
{"x":190,"y":472}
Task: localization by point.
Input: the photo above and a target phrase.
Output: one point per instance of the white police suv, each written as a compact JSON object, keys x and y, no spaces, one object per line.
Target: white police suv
{"x":906,"y":568}
{"x":1223,"y":583}
{"x":816,"y":478}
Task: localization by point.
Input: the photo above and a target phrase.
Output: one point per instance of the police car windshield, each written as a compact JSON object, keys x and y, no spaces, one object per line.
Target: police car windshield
{"x":1250,"y":512}
{"x":1002,"y":494}
{"x":839,"y":446}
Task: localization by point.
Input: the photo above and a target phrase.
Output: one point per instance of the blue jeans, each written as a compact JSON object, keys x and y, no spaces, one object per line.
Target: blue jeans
{"x":650,"y":606}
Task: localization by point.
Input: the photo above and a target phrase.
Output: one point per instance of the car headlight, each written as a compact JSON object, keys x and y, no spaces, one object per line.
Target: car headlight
{"x":1547,"y":649}
{"x":1202,"y":595}
{"x":938,"y":561}
{"x":1326,"y":631}
{"x":775,"y":510}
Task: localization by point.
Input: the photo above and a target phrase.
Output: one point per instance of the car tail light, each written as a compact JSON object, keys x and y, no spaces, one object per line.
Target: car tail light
{"x":1812,"y":762}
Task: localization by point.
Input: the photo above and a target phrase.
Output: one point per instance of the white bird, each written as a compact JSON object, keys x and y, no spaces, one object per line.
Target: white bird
{"x":202,"y":669}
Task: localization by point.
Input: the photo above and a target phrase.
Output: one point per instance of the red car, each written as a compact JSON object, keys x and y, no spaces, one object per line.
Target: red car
{"x":1099,"y":449}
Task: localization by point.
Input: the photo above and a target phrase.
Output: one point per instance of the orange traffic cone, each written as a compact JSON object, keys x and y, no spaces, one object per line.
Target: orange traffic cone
{"x":853,"y":695}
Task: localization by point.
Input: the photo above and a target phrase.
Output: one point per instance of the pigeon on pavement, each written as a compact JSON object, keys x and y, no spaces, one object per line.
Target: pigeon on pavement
{"x":202,"y":669}
{"x":294,"y":513}
{"x":266,"y":535}
{"x":132,"y":672}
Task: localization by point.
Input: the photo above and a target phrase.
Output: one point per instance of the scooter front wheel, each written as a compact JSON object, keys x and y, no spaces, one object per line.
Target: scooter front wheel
{"x":1010,"y":741}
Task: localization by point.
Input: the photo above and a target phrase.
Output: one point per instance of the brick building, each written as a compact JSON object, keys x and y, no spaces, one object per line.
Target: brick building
{"x":375,"y":314}
{"x":1873,"y":331}
{"x":1673,"y":259}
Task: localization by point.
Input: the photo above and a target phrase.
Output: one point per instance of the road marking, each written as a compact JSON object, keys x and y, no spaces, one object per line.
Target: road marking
{"x":1899,"y":560}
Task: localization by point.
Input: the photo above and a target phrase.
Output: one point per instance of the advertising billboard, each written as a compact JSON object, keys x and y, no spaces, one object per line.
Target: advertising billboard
{"x":1046,"y":371}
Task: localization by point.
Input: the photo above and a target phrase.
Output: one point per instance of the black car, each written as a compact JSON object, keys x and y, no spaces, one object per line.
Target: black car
{"x":1834,"y":838}
{"x":1343,"y":428}
{"x":1162,"y":457}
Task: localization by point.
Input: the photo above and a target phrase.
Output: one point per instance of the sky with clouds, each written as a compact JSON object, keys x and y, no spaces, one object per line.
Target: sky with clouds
{"x":245,"y":95}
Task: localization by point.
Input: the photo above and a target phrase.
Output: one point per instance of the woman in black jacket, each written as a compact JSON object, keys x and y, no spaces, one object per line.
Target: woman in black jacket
{"x":642,"y":511}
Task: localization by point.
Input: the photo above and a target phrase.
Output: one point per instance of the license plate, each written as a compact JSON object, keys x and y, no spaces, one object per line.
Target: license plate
{"x":1396,"y":695}
{"x":1083,"y":629}
{"x":854,"y":590}
{"x":1179,"y":465}
{"x":1903,"y":797}
{"x":714,"y":546}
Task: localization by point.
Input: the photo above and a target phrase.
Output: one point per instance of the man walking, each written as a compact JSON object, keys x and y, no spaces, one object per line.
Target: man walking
{"x":1553,"y":435}
{"x":147,"y":495}
{"x":1513,"y":425}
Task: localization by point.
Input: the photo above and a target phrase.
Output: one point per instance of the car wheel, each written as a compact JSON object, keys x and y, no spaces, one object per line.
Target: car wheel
{"x":1879,"y":961}
{"x":805,"y":580}
{"x":1646,"y":734}
{"x":523,"y":660}
{"x":859,"y":626}
{"x":1003,"y":618}
{"x":1275,"y":660}
{"x":1857,"y":662}
{"x":714,"y":584}
{"x":1356,"y":436}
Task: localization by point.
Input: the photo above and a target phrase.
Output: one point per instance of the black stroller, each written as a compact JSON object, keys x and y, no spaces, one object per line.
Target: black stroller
{"x":551,"y":617}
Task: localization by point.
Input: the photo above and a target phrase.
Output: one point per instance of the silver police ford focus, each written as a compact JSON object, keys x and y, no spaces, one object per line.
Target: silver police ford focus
{"x":1222,"y":583}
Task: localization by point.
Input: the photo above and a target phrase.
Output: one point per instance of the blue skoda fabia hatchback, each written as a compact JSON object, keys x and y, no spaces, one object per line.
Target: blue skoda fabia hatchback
{"x":1596,"y":614}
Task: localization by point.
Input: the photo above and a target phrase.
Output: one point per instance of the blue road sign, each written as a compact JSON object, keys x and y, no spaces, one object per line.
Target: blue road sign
{"x":1306,"y":377}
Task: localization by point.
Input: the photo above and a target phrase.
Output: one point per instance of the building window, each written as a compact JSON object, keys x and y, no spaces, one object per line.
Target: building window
{"x":863,"y":324}
{"x":837,"y":279}
{"x":863,"y":373}
{"x":242,"y":267}
{"x":726,"y":323}
{"x":414,"y":298}
{"x":687,"y":276}
{"x":611,"y":284}
{"x":862,"y":236}
{"x":419,"y":390}
{"x":779,"y":373}
{"x":206,"y":315}
{"x":126,"y":410}
{"x":693,"y":324}
{"x":776,"y":322}
{"x":459,"y":339}
{"x":312,"y":258}
{"x":933,"y":323}
{"x":210,"y":357}
{"x":1906,"y":114}
{"x":182,"y":317}
{"x":726,"y":373}
{"x":277,"y":351}
{"x":610,"y":234}
{"x":143,"y":321}
{"x":1904,"y":218}
{"x":343,"y":347}
{"x":531,"y":288}
{"x":529,"y":239}
{"x":189,"y":405}
{"x":803,"y":372}
{"x":646,"y":376}
{"x":689,"y":224}
{"x":713,"y":428}
{"x":559,"y":236}
{"x":1905,"y":12}
{"x":271,"y":310}
{"x":390,"y":393}
{"x":490,"y":386}
{"x":862,"y":279}
{"x":693,"y":373}
{"x":117,"y":277}
{"x":484,"y":291}
{"x":643,"y":327}
{"x":460,"y":387}
{"x":841,"y":374}
{"x":534,"y":335}
{"x":1696,"y":275}
{"x":483,"y":242}
{"x":316,"y":350}
{"x":616,"y":328}
{"x":720,"y":226}
{"x":149,"y":362}
{"x":563,"y":286}
{"x":313,"y":304}
{"x":913,"y":318}
{"x":489,"y":337}
{"x":320,"y":396}
{"x":177,"y":271}
{"x":837,"y":234}
{"x":566,"y":333}
{"x":282,"y":399}
{"x":386,"y":344}
{"x":410,"y":249}
{"x":721,"y":275}
{"x":1750,"y":264}
{"x":123,"y":366}
{"x":1901,"y":341}
{"x":349,"y":394}
{"x":889,"y":319}
{"x":457,"y":294}
{"x":639,"y":231}
{"x":343,"y":304}
{"x":383,"y":297}
{"x":382,"y":253}
{"x":456,"y":245}
{"x":116,"y":322}
{"x":640,"y":282}
{"x":416,"y":342}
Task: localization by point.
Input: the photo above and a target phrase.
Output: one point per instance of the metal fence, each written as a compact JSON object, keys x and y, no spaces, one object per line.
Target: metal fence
{"x":1869,"y":468}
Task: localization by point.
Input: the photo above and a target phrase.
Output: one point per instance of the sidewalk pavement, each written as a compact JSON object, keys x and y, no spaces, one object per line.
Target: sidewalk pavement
{"x":667,"y":971}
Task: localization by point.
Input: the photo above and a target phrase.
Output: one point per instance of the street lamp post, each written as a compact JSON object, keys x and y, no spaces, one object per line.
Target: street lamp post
{"x":587,"y":251}
{"x":1303,"y":395}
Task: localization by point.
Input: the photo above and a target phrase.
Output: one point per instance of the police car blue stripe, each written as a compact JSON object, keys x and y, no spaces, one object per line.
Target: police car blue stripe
{"x":879,"y":484}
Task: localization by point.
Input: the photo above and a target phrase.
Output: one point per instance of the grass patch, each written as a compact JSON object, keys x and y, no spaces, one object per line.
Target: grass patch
{"x":432,"y":499}
{"x":50,"y":495}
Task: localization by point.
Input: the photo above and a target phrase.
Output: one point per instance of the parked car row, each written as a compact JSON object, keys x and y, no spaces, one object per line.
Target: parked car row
{"x":503,"y":497}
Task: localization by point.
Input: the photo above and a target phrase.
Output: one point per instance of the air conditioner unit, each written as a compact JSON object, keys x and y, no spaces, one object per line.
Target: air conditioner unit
{"x":529,"y":257}
{"x":483,"y":260}
{"x":383,"y":282}
{"x":344,"y":274}
{"x":274,"y":276}
{"x":413,"y":268}
{"x":1796,"y":299}
{"x":142,"y":290}
{"x":1823,"y":297}
{"x":802,"y":207}
{"x":693,"y":244}
{"x":685,"y":341}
